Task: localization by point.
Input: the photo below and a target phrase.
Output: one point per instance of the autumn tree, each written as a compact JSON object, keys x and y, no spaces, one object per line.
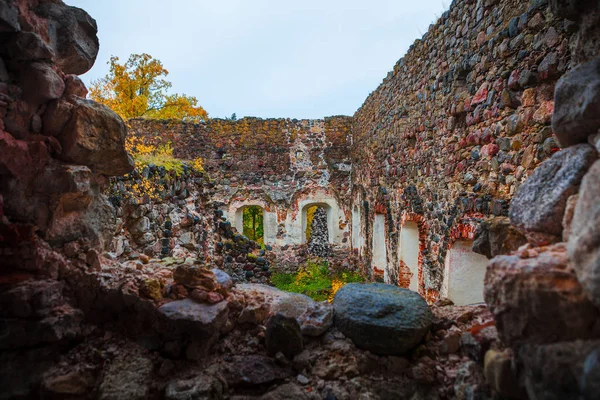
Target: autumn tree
{"x":138,"y":88}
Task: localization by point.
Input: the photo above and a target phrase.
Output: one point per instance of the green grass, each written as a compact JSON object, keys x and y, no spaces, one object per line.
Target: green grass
{"x":314,"y":280}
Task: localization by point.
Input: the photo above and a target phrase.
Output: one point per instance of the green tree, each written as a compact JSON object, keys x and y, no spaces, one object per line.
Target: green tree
{"x":138,"y":88}
{"x":253,"y":223}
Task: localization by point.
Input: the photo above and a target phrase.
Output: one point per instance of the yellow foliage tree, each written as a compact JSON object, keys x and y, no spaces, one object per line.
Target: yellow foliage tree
{"x":137,"y":88}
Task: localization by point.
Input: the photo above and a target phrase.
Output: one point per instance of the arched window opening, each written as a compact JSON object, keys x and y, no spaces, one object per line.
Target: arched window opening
{"x":253,"y":223}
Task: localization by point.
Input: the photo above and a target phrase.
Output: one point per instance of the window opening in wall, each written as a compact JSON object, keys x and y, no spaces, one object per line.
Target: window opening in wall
{"x":409,"y":253}
{"x":463,"y":274}
{"x":317,"y":231}
{"x":379,"y":261}
{"x":253,"y":226}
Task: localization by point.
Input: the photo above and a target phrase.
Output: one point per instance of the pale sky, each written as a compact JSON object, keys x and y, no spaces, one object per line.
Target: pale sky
{"x":265,"y":58}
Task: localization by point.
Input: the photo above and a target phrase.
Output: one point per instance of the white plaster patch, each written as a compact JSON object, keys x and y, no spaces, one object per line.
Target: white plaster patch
{"x":408,"y":251}
{"x":463,"y":274}
{"x":379,"y":248}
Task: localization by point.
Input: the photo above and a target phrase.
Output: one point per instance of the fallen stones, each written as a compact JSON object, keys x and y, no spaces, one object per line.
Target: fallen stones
{"x":198,"y":387}
{"x":539,"y":205}
{"x":577,"y":104}
{"x":195,"y":326}
{"x":261,"y":300}
{"x":535,"y":297}
{"x":283,"y":335}
{"x":470,"y":382}
{"x":193,"y":276}
{"x":222,"y":278}
{"x":199,"y":317}
{"x":254,"y":371}
{"x":584,"y":239}
{"x":127,"y":377}
{"x":562,"y":370}
{"x":383,"y":319}
{"x":95,"y":137}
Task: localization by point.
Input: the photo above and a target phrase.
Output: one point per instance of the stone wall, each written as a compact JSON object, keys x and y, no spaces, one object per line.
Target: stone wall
{"x":281,"y":165}
{"x":461,"y":121}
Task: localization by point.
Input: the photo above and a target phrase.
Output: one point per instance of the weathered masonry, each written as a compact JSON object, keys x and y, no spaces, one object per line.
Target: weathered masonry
{"x":440,"y":145}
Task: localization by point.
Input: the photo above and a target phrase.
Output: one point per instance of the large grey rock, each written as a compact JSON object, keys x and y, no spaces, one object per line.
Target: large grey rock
{"x":558,"y":371}
{"x":539,"y":205}
{"x":72,"y":35}
{"x":261,"y":300}
{"x":584,"y":239}
{"x":383,"y":319}
{"x":577,"y":104}
{"x":208,"y":318}
{"x":536,"y":298}
{"x":95,"y":137}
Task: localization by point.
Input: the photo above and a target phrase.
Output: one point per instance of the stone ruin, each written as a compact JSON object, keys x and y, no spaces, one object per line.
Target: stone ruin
{"x":466,"y":186}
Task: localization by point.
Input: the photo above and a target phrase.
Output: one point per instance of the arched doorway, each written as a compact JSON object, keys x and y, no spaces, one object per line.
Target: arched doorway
{"x":308,"y":214}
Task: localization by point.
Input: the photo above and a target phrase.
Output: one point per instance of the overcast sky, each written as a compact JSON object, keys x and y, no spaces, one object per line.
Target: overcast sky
{"x":265,"y":58}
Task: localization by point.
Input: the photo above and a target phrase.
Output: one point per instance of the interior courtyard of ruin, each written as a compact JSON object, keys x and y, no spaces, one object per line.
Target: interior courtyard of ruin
{"x":464,"y":193}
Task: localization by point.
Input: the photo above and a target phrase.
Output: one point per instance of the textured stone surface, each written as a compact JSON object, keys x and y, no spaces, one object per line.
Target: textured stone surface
{"x":577,"y":104}
{"x":199,"y":317}
{"x":283,"y":335}
{"x":127,"y":377}
{"x":496,"y":236}
{"x":72,"y":35}
{"x":95,"y":136}
{"x":539,"y":205}
{"x":584,"y":240}
{"x":314,"y":317}
{"x":536,"y":298}
{"x":197,"y":388}
{"x":254,"y":370}
{"x":567,"y":221}
{"x":500,"y":374}
{"x":558,"y":371}
{"x":383,"y":319}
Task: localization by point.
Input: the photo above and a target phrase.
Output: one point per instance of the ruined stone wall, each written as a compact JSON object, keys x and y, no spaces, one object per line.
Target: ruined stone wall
{"x":457,"y":126}
{"x":282,"y":165}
